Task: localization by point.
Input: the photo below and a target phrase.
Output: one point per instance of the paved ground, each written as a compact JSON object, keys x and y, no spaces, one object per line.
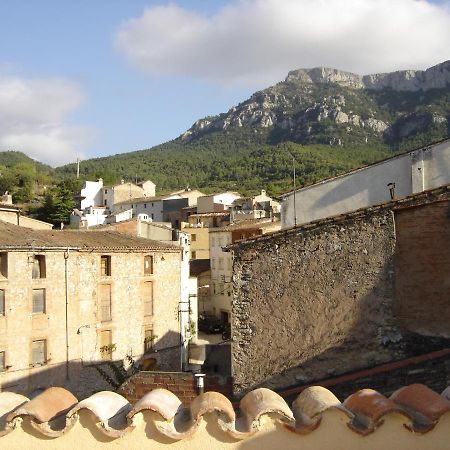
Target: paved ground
{"x":204,"y":338}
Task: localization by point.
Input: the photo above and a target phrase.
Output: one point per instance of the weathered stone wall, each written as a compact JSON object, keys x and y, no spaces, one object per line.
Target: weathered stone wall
{"x":319,"y":300}
{"x":19,"y":326}
{"x":422,"y":260}
{"x":302,"y":294}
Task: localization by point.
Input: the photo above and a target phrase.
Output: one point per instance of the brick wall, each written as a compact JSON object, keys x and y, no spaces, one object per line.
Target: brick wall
{"x":182,"y":384}
{"x":422,"y":261}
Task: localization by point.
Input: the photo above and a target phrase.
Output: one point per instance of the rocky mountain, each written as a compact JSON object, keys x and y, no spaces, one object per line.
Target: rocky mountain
{"x":329,"y":106}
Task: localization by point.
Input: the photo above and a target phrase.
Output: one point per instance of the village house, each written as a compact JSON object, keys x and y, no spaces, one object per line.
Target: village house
{"x":394,"y":178}
{"x":222,"y":261}
{"x":96,"y":201}
{"x":12,"y":214}
{"x":256,"y":207}
{"x":71,"y":300}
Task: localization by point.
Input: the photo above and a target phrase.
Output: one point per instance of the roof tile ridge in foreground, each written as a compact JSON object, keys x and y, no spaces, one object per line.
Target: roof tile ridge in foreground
{"x":55,"y":412}
{"x":357,"y":169}
{"x":357,"y":213}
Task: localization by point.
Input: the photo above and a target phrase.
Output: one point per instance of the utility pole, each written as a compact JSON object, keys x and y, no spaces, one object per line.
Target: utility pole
{"x":78,"y":168}
{"x":295,"y":203}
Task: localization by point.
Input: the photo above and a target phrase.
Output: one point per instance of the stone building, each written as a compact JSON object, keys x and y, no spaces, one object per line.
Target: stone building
{"x":12,"y":214}
{"x":222,"y":262}
{"x":342,"y":294}
{"x":397,"y":177}
{"x":70,"y":300}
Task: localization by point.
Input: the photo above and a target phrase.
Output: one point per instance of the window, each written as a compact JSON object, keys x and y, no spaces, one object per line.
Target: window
{"x":145,"y":205}
{"x":153,"y":216}
{"x":4,"y":265}
{"x":106,"y":202}
{"x":2,"y":302}
{"x":106,"y":345}
{"x":39,"y":352}
{"x":105,"y":302}
{"x":105,"y":266}
{"x":147,"y":295}
{"x":38,"y":301}
{"x":2,"y":361}
{"x":148,"y":265}
{"x":193,"y":255}
{"x":148,"y":338}
{"x":193,"y":237}
{"x":106,"y":191}
{"x":38,"y":267}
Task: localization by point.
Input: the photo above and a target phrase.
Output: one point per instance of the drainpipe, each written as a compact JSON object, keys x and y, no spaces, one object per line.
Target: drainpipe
{"x":66,"y":278}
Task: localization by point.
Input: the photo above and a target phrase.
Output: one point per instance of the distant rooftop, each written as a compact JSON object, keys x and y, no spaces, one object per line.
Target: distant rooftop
{"x":13,"y":237}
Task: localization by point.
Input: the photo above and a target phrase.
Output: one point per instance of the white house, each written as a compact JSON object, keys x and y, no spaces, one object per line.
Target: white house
{"x":396,"y":177}
{"x":216,"y":202}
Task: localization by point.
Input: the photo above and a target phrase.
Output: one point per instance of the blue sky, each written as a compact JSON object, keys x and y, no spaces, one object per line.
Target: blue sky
{"x":98,"y":77}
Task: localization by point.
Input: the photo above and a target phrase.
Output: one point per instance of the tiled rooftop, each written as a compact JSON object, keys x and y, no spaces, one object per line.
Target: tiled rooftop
{"x":15,"y":237}
{"x":55,"y":411}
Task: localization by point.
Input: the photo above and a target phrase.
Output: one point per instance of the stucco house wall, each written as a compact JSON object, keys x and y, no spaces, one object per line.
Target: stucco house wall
{"x":412,"y":172}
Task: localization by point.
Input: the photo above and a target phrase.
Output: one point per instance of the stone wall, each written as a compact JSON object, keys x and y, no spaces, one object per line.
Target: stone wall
{"x":318,"y":300}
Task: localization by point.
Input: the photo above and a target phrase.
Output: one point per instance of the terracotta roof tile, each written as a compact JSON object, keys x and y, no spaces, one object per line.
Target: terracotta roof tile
{"x":110,"y":410}
{"x":13,"y":236}
{"x":424,"y":405}
{"x":55,"y":411}
{"x":369,"y":407}
{"x":9,"y":401}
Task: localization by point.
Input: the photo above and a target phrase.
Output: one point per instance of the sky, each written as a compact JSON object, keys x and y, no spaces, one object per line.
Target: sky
{"x":89,"y":78}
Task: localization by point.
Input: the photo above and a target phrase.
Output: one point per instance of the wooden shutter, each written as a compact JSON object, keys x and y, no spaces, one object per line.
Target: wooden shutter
{"x":38,"y":301}
{"x":38,"y":352}
{"x":2,"y":302}
{"x":106,"y":341}
{"x":2,"y":361}
{"x":148,"y":298}
{"x":105,"y":302}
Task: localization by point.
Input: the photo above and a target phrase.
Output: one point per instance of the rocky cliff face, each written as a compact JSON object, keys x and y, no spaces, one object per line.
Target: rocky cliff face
{"x":330,"y":106}
{"x":436,"y":77}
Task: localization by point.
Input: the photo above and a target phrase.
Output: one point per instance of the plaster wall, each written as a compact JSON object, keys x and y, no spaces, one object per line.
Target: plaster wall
{"x":92,"y":192}
{"x":332,"y":434}
{"x":412,"y":172}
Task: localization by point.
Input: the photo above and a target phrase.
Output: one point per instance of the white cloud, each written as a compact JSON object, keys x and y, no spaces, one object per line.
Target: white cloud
{"x":259,"y":41}
{"x":33,"y":119}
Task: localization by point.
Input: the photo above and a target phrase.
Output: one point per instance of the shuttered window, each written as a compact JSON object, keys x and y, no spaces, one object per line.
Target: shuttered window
{"x":148,"y":265}
{"x":38,"y":301}
{"x":106,"y":345}
{"x":105,"y":302}
{"x":148,"y":298}
{"x":2,"y":302}
{"x":39,"y":352}
{"x":148,"y":337}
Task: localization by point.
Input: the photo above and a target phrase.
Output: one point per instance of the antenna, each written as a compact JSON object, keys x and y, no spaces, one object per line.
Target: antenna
{"x":295,"y":203}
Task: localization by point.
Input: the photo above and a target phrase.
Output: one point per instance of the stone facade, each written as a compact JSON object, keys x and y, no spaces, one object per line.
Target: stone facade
{"x":319,"y":300}
{"x":124,"y":325}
